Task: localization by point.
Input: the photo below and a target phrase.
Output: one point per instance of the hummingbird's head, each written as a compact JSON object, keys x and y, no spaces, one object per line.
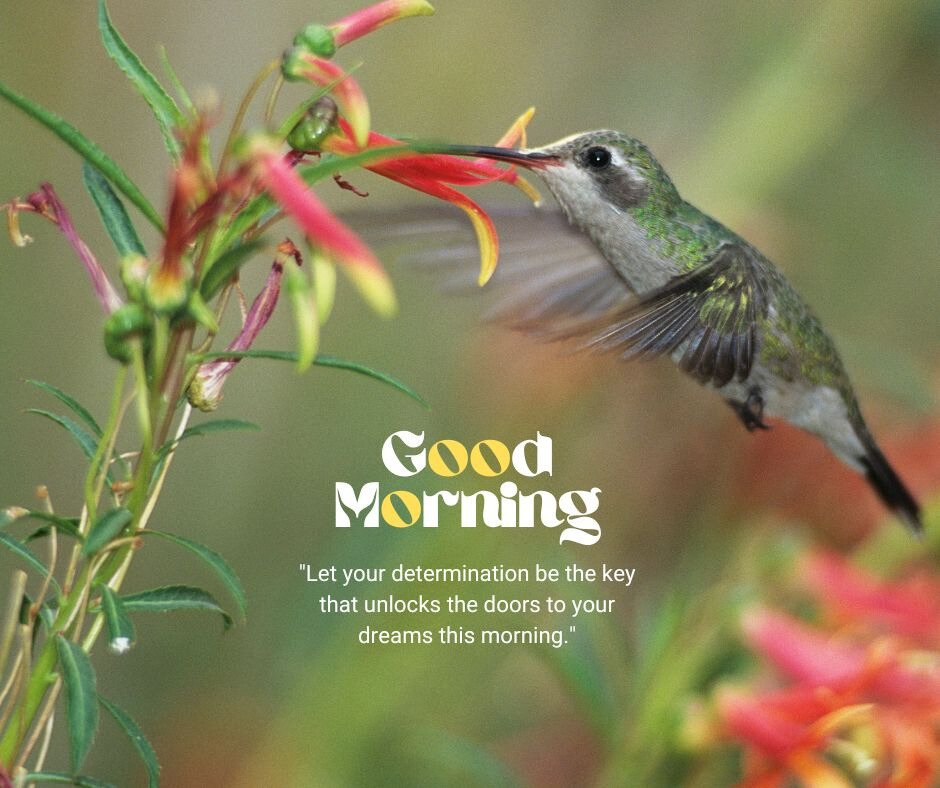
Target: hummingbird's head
{"x":591,"y":173}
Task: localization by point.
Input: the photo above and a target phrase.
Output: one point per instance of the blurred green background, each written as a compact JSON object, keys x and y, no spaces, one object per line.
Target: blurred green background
{"x":809,"y":127}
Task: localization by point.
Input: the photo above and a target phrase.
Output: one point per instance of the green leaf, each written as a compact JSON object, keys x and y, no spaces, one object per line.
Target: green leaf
{"x":19,"y":549}
{"x":147,"y":754}
{"x":322,"y":361}
{"x":206,"y":428}
{"x":87,"y":149}
{"x":171,"y":75}
{"x":47,"y":613}
{"x":224,"y":268}
{"x":68,"y":525}
{"x":168,"y":598}
{"x":112,"y":212}
{"x":164,"y":108}
{"x":85,"y":441}
{"x":105,"y":528}
{"x":121,"y":633}
{"x":79,"y":780}
{"x":217,"y":425}
{"x":215,"y":562}
{"x":70,"y":402}
{"x":81,"y":702}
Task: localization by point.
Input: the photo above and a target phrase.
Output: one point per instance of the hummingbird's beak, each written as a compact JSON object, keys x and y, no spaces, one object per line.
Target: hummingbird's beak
{"x":531,"y":159}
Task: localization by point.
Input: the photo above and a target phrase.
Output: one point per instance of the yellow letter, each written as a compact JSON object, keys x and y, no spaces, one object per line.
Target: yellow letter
{"x":456,"y":449}
{"x":481,"y":465}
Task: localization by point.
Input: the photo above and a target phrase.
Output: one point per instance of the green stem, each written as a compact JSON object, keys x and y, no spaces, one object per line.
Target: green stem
{"x":40,"y":680}
{"x":98,"y":469}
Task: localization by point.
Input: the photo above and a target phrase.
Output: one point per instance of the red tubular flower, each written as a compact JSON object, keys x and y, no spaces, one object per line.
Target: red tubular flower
{"x":364,"y":21}
{"x":436,"y":174}
{"x":322,"y":228}
{"x":46,"y":203}
{"x":205,"y":392}
{"x":860,"y":702}
{"x":910,"y":607}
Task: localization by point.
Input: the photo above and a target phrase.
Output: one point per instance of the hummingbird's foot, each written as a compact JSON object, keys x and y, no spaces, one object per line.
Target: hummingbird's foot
{"x":751,"y":411}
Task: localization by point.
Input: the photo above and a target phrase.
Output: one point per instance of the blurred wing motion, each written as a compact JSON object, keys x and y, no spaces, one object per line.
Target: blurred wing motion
{"x":553,"y":283}
{"x":550,"y":282}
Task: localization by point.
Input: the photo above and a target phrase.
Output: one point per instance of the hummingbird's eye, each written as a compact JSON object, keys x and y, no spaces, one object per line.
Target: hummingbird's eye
{"x":596,"y":157}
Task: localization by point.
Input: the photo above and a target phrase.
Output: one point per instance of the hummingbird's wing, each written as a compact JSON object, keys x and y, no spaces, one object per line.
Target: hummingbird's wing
{"x":712,"y":311}
{"x":550,"y":281}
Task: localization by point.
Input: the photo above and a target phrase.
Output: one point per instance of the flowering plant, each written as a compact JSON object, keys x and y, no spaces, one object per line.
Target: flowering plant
{"x":788,"y":666}
{"x":160,"y":326}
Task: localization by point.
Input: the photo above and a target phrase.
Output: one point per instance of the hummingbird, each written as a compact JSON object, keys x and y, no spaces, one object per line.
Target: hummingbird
{"x":669,"y":280}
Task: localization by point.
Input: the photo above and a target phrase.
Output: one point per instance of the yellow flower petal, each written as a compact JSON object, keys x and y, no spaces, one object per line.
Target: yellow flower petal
{"x":516,"y":132}
{"x":375,"y":287}
{"x":528,"y":190}
{"x":306,"y":322}
{"x":486,"y":239}
{"x":324,"y":279}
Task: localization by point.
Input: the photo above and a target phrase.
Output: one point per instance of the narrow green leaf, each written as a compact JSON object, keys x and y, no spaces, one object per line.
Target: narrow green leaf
{"x":112,"y":212}
{"x":224,"y":268}
{"x":47,"y":613}
{"x":217,"y":425}
{"x":206,"y":428}
{"x":85,"y":441}
{"x":79,"y":780}
{"x":322,"y":361}
{"x":215,"y":562}
{"x":105,"y":528}
{"x":375,"y":374}
{"x":87,"y":149}
{"x":121,"y":633}
{"x":81,"y":702}
{"x":68,"y":525}
{"x":19,"y":549}
{"x":171,"y":75}
{"x":70,"y":402}
{"x":168,"y":598}
{"x":164,"y":108}
{"x":328,"y":166}
{"x":147,"y":754}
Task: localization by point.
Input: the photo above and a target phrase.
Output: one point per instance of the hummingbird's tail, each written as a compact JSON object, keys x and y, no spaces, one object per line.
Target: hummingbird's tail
{"x":889,"y":486}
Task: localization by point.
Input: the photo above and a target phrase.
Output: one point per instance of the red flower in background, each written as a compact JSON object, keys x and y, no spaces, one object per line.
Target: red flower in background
{"x":857,"y":697}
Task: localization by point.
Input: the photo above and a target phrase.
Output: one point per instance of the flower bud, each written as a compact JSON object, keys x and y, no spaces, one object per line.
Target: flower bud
{"x":123,"y":324}
{"x":317,"y":40}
